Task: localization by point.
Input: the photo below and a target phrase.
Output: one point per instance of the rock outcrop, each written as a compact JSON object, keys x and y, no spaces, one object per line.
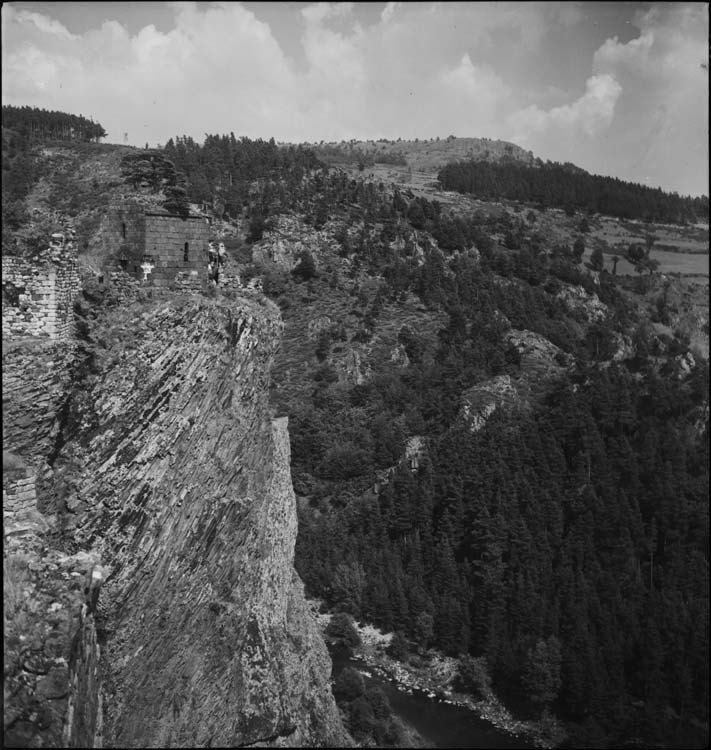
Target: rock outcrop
{"x":588,"y":307}
{"x":480,"y":401}
{"x":171,"y":489}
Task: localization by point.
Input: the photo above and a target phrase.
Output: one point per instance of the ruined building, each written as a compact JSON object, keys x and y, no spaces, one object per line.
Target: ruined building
{"x":38,"y":294}
{"x":155,"y":246}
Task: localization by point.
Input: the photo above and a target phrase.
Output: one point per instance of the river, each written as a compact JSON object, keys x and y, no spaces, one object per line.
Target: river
{"x":441,"y":725}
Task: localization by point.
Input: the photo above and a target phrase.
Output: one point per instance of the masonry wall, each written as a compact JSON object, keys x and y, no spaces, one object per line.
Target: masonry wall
{"x":38,"y":299}
{"x":165,"y":238}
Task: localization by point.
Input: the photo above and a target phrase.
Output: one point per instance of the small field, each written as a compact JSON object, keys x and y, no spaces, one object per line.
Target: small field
{"x":686,"y":264}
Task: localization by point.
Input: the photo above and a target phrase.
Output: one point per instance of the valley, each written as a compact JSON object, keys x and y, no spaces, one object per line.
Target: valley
{"x":495,"y":449}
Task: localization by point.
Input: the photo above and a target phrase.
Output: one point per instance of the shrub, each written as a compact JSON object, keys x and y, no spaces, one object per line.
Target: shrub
{"x":342,"y":630}
{"x":344,"y":461}
{"x":306,"y":267}
{"x":472,"y":677}
{"x":379,"y":703}
{"x":361,"y":721}
{"x":349,"y":685}
{"x":398,"y":647}
{"x":323,"y":345}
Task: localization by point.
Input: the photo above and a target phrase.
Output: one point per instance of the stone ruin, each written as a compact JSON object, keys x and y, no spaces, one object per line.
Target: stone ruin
{"x":38,"y":293}
{"x":160,"y":249}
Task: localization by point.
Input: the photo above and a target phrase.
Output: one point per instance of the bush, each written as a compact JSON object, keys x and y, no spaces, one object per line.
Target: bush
{"x":257,"y":225}
{"x":274,"y":281}
{"x":344,"y":462}
{"x":306,"y":268}
{"x":472,"y":677}
{"x":398,"y":647}
{"x":379,"y":703}
{"x":361,"y":721}
{"x":342,"y":630}
{"x":348,"y":686}
{"x":323,"y":345}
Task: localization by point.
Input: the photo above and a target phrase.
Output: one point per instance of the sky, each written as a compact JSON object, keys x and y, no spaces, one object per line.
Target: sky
{"x":617,"y":88}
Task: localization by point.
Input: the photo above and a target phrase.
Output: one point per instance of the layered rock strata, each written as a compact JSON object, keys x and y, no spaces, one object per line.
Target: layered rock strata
{"x":172,"y":477}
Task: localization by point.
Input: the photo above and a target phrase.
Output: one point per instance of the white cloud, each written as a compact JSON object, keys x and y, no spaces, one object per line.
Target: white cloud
{"x":45,"y":24}
{"x":472,"y":80}
{"x":389,"y":11}
{"x":219,"y":68}
{"x":319,"y":12}
{"x":414,"y":70}
{"x":663,"y":114}
{"x":590,"y":114}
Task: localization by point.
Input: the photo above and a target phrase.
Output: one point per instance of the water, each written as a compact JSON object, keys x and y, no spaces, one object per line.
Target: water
{"x":439,"y":724}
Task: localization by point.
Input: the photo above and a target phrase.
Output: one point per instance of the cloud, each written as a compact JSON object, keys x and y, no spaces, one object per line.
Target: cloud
{"x":389,"y":11}
{"x":662,"y":117}
{"x":590,"y":114}
{"x":45,"y":24}
{"x":219,"y":68}
{"x":410,"y":70}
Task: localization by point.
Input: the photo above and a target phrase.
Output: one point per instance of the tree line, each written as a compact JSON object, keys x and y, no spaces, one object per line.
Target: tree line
{"x":35,"y":123}
{"x":551,"y":184}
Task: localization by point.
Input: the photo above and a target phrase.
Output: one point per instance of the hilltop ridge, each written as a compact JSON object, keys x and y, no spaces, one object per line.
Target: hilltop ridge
{"x":427,"y":155}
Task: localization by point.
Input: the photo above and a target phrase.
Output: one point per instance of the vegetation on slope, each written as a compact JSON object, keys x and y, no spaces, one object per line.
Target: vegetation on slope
{"x":42,"y":124}
{"x":566,"y":539}
{"x":566,"y":186}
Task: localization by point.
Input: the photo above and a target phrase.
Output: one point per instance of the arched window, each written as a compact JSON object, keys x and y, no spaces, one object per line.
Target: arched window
{"x":185,"y":253}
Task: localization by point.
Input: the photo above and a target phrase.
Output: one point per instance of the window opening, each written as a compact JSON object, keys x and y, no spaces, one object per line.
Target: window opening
{"x":123,"y":230}
{"x":185,"y":253}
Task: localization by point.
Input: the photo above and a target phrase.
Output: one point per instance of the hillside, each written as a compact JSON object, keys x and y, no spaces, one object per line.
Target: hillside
{"x":150,"y":597}
{"x":498,"y":444}
{"x":427,"y":155}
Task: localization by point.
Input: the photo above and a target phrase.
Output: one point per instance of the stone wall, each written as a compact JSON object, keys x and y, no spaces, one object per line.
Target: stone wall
{"x":38,"y":298}
{"x":132,"y":230}
{"x":123,"y":234}
{"x":23,"y":525}
{"x":165,"y":240}
{"x":190,"y":281}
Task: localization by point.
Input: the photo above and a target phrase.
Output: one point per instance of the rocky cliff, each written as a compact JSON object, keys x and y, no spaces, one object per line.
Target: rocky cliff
{"x":167,"y":488}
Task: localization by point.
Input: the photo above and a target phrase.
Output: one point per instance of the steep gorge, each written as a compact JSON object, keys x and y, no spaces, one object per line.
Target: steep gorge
{"x":171,"y":484}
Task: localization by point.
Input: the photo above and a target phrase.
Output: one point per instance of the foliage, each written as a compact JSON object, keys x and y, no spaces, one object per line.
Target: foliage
{"x":349,"y":685}
{"x":473,"y":677}
{"x":398,"y":647}
{"x":541,"y":673}
{"x":564,"y":544}
{"x":341,"y":630}
{"x":563,"y":186}
{"x":35,"y":123}
{"x":597,"y":259}
{"x":306,"y":267}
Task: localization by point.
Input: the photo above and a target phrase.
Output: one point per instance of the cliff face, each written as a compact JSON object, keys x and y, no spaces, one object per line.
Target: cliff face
{"x":170,"y":476}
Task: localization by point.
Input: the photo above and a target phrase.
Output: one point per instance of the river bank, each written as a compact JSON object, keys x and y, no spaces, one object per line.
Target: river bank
{"x":433,"y":674}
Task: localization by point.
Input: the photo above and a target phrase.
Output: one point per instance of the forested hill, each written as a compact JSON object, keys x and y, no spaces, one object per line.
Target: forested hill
{"x":554,"y":525}
{"x":557,"y":185}
{"x":225,"y":167}
{"x":32,"y":122}
{"x":427,"y":154}
{"x":564,"y":542}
